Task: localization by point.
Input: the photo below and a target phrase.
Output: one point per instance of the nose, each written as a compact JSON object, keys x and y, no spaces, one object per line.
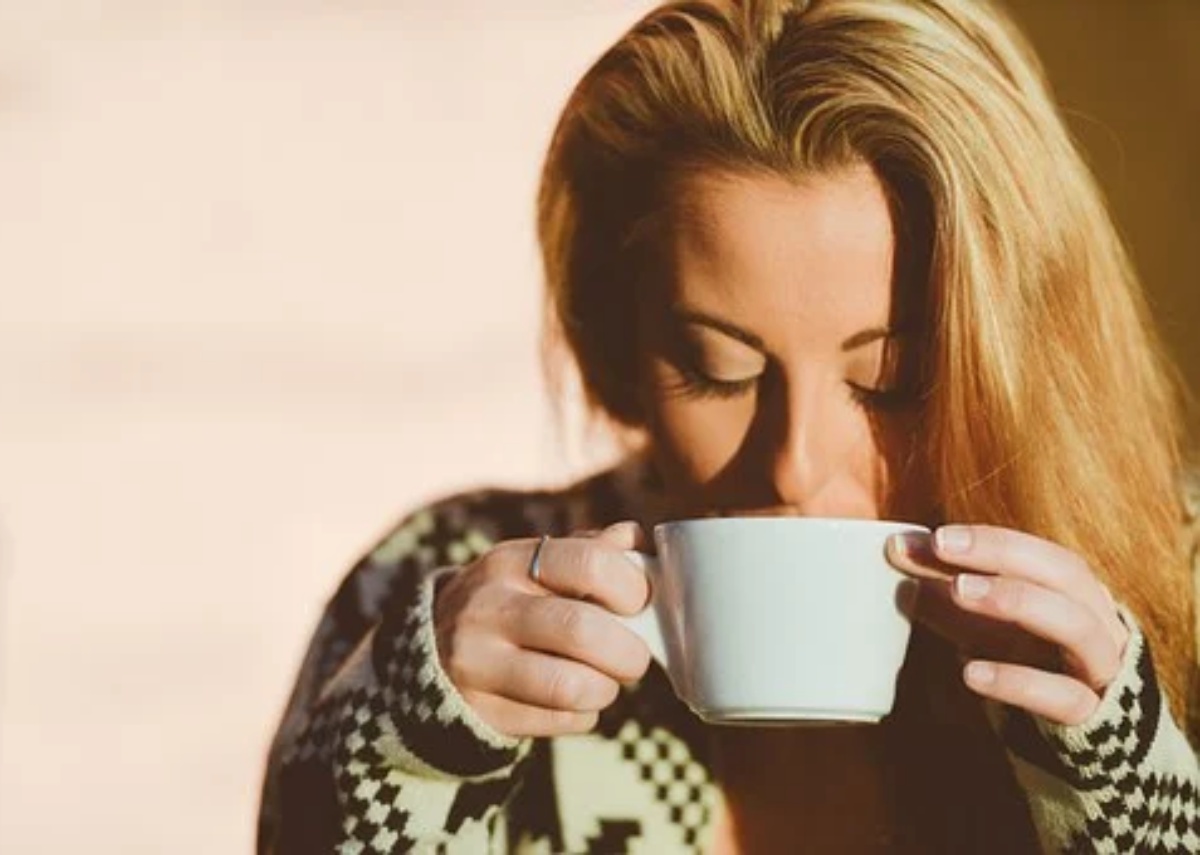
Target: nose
{"x":811,"y":453}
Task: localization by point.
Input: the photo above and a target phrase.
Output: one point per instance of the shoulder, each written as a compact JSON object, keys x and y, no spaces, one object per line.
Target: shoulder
{"x":490,"y":515}
{"x":455,"y":529}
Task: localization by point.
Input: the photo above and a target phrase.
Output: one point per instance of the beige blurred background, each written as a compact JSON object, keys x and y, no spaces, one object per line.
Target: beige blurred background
{"x":268,"y":280}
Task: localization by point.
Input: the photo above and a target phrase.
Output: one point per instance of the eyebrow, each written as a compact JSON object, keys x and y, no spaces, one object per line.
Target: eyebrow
{"x":859,"y":339}
{"x":691,"y":316}
{"x":868,"y":336}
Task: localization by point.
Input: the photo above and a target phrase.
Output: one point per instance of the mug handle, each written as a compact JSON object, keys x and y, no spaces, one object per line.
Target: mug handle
{"x":646,"y":624}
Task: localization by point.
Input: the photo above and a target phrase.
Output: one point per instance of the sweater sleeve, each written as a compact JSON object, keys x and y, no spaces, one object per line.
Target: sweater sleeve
{"x":377,"y":751}
{"x":1126,"y":780}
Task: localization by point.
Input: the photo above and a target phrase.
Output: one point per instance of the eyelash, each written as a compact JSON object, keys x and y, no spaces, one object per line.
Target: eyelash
{"x":694,"y":384}
{"x":880,"y":400}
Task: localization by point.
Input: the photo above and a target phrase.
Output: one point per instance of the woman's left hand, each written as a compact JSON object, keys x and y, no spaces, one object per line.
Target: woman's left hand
{"x":1038,"y":629}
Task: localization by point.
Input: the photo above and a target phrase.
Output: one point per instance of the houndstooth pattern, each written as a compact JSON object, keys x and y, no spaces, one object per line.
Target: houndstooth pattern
{"x":1135,"y":808}
{"x":375,"y":820}
{"x":1130,"y":805}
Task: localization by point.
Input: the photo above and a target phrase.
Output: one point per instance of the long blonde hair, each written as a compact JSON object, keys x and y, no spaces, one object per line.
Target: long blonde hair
{"x":1051,"y":407}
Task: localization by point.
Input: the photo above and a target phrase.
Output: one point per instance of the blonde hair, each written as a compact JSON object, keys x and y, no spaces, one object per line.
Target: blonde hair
{"x":1050,"y":405}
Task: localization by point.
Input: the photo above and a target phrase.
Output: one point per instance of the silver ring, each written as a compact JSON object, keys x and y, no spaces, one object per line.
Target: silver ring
{"x":535,"y":562}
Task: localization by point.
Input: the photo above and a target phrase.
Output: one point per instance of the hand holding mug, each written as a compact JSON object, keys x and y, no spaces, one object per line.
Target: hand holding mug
{"x":1038,"y":629}
{"x":543,"y":657}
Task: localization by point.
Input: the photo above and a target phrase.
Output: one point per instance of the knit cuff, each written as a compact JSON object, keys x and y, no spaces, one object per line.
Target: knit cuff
{"x":433,"y":720}
{"x":1113,"y":742}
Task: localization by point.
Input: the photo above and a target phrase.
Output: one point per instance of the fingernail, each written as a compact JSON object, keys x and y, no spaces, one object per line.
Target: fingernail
{"x":953,"y":539}
{"x":981,"y":673}
{"x":971,"y":587}
{"x":912,"y":546}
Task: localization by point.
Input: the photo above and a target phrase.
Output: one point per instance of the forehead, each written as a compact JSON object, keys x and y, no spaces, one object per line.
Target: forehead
{"x":818,"y":247}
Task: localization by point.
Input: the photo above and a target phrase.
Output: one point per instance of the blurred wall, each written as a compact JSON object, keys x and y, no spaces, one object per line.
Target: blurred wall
{"x":268,"y":280}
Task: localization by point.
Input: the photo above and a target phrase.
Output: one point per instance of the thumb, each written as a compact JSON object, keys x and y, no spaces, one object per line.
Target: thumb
{"x":626,"y":534}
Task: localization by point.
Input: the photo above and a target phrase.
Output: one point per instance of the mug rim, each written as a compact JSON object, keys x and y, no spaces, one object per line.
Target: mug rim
{"x":785,"y":521}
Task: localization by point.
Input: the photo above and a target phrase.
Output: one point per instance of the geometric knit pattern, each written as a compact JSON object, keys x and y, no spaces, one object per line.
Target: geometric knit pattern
{"x":1131,"y":773}
{"x":423,"y":704}
{"x":377,"y":752}
{"x":680,"y":783}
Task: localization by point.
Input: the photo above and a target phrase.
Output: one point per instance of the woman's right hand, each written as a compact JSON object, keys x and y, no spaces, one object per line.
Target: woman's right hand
{"x":544,"y":658}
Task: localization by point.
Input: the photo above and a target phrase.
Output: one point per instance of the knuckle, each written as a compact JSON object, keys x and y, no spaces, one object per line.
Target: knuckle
{"x":564,"y":689}
{"x":1009,"y":597}
{"x":571,"y":623}
{"x":568,"y":722}
{"x":1074,"y":571}
{"x":456,"y":663}
{"x":581,"y":723}
{"x":601,"y":693}
{"x":591,"y":568}
{"x":607,"y":692}
{"x":640,"y":662}
{"x":1109,"y":670}
{"x":502,"y":557}
{"x":510,"y":608}
{"x":633,"y":660}
{"x":622,"y":533}
{"x":1082,"y":634}
{"x":990,"y":540}
{"x":1012,"y":683}
{"x":633,"y":591}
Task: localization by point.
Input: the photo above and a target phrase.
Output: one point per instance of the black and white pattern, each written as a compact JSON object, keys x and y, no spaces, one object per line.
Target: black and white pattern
{"x":1132,"y":776}
{"x":680,"y":783}
{"x":437,"y":726}
{"x":378,"y":753}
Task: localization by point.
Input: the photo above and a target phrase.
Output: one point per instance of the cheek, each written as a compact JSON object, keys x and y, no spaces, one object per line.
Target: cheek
{"x":695,"y":439}
{"x":906,"y":487}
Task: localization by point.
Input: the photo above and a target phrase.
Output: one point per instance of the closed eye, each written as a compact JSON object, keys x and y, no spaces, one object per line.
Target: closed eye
{"x":695,"y":384}
{"x":882,"y":400}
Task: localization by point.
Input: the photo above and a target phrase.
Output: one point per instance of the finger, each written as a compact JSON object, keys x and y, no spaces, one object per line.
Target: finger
{"x":493,"y":666}
{"x":626,"y":534}
{"x":1056,"y":697}
{"x":552,"y":682}
{"x":912,"y":553}
{"x":1092,"y":655}
{"x":977,"y":635}
{"x":580,"y":631}
{"x":1004,"y":552}
{"x":520,"y":720}
{"x":590,"y":569}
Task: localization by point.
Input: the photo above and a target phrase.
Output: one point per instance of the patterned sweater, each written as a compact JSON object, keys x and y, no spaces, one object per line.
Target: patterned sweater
{"x":377,"y":752}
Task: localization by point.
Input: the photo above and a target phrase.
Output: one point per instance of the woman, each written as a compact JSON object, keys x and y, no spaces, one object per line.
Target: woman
{"x":827,"y":258}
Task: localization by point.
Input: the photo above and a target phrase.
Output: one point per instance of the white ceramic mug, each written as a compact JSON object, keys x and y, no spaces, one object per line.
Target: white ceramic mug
{"x":777,"y":619}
